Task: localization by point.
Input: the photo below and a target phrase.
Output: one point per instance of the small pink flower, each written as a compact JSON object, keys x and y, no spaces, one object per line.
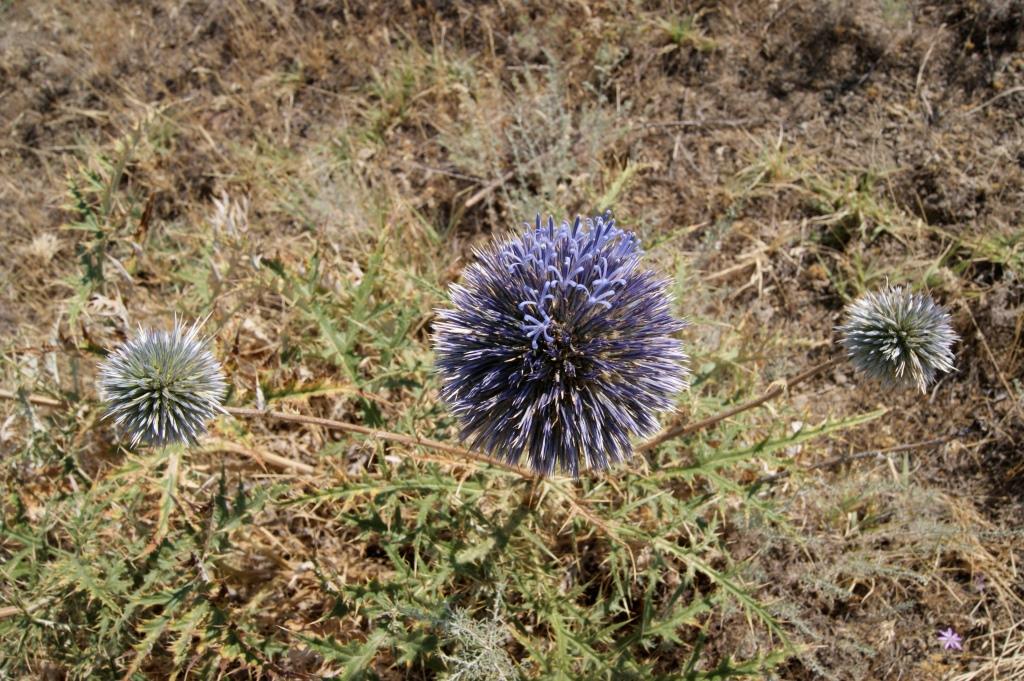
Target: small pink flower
{"x":950,"y":640}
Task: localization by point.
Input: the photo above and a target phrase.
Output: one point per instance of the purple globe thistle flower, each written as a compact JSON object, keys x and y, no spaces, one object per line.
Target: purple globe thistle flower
{"x":899,"y":337}
{"x":559,"y":346}
{"x":161,"y":387}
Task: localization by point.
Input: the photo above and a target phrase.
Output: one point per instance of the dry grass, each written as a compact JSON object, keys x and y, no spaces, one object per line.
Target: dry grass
{"x":313,"y":175}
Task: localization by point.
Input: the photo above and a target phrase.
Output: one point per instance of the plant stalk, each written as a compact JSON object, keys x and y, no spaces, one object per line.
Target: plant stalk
{"x":669,"y":433}
{"x":682,"y":429}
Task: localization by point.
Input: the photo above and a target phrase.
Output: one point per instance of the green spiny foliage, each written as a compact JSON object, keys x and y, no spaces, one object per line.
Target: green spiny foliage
{"x":94,"y":591}
{"x":101,"y":213}
{"x":144,"y":569}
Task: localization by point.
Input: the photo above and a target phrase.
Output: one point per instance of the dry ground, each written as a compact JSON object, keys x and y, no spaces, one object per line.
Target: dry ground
{"x":314,"y":174}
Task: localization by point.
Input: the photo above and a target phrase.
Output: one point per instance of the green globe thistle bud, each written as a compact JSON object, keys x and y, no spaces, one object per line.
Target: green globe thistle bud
{"x":898,"y":337}
{"x":161,"y":387}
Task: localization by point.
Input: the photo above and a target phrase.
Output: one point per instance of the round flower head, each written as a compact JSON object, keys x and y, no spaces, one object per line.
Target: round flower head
{"x":559,"y":346}
{"x":898,"y":337}
{"x":161,"y":387}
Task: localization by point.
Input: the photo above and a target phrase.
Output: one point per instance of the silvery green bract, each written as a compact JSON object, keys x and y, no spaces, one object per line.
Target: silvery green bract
{"x":898,"y":337}
{"x":161,"y":387}
{"x":559,"y":346}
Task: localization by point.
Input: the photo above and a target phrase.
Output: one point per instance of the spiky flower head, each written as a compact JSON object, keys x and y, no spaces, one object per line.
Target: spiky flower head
{"x":161,"y":387}
{"x":559,"y":346}
{"x":898,"y":337}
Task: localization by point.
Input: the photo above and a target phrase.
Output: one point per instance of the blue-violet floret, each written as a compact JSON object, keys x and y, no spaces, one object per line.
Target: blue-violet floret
{"x":559,"y":346}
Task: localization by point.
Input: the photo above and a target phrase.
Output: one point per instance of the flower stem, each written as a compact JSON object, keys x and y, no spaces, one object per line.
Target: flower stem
{"x":669,"y":433}
{"x":387,"y":436}
{"x":330,"y":424}
{"x":682,"y":429}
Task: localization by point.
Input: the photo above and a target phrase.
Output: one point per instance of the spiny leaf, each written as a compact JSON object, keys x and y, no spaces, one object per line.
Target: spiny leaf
{"x":475,"y":552}
{"x":354,"y":657}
